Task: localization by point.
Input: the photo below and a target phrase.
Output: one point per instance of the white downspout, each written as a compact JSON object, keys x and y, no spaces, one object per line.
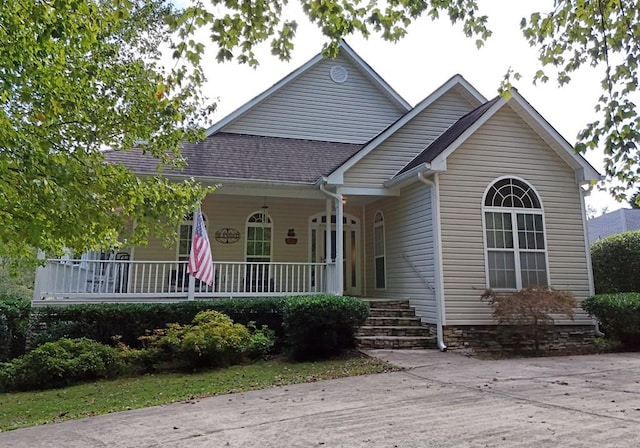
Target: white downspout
{"x":327,"y":246}
{"x":437,"y":246}
{"x":339,"y":239}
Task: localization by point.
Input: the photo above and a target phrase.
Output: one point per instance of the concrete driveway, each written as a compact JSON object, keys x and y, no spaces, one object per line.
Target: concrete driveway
{"x":440,"y":400}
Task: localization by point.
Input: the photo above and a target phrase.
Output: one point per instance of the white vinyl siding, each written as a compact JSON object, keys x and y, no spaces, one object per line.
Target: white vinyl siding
{"x":313,"y":107}
{"x":506,"y":146}
{"x":409,"y":252}
{"x":409,"y":141}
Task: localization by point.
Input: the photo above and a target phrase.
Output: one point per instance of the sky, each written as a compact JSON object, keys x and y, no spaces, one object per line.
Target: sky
{"x":428,"y":56}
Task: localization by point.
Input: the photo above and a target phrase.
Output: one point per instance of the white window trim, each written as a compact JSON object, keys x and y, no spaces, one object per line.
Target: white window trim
{"x":381,"y":223}
{"x":247,"y":224}
{"x":516,"y":250}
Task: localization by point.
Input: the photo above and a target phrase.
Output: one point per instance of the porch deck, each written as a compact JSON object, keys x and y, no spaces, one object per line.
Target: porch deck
{"x":86,"y":281}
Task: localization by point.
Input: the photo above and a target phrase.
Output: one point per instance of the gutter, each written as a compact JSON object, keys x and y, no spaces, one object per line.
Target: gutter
{"x":435,"y":206}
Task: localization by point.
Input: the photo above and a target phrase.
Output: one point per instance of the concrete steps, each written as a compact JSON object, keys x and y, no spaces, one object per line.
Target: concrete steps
{"x":392,"y":324}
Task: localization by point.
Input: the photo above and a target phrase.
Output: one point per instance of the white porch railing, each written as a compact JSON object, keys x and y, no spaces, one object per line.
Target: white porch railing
{"x":132,"y":280}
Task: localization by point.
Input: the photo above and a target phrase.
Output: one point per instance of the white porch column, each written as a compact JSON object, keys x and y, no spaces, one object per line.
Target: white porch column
{"x":327,"y":245}
{"x":192,"y":280}
{"x":339,"y":245}
{"x":327,"y":249}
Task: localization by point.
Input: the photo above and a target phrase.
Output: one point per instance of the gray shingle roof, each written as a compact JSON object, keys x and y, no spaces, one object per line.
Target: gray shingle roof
{"x":238,"y":156}
{"x":449,"y":136}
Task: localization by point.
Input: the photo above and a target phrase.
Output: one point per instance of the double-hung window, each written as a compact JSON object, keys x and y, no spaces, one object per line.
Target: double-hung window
{"x":379,"y":251}
{"x":514,"y":235}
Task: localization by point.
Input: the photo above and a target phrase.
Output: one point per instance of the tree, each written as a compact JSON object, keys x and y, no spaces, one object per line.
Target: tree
{"x":80,"y":76}
{"x":634,"y":199}
{"x":603,"y":34}
{"x":571,"y":35}
{"x":76,"y":77}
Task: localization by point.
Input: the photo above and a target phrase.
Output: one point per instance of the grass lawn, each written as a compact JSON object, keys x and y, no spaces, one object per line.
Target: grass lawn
{"x":22,"y":409}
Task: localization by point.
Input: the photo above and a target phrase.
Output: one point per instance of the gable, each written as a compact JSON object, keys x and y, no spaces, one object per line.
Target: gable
{"x":506,"y":145}
{"x":312,"y":106}
{"x":391,"y":156}
{"x":438,"y":152}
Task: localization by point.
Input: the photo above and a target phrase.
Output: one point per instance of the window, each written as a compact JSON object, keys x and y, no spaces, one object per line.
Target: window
{"x":514,"y":235}
{"x":259,"y":237}
{"x":379,"y":250}
{"x":184,"y":237}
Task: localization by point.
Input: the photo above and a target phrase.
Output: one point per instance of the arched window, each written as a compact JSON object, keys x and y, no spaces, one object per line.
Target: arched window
{"x":184,"y":237}
{"x":514,"y":236}
{"x":259,"y":233}
{"x":379,"y":251}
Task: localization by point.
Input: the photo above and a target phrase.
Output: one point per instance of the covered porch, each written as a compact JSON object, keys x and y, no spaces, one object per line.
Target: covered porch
{"x":265,"y":242}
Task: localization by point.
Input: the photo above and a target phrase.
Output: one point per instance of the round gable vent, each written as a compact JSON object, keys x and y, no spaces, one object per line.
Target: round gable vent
{"x":338,"y":74}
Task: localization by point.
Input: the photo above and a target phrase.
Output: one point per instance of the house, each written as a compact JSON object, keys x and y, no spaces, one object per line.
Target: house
{"x":612,"y":223}
{"x":331,"y":182}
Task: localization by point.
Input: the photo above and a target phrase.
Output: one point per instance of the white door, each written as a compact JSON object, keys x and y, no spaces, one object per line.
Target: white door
{"x":351,"y":248}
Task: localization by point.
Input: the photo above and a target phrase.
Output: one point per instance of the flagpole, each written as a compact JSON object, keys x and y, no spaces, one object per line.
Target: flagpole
{"x":191,"y":295}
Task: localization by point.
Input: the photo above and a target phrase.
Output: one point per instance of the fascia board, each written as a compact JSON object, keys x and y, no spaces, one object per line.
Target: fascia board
{"x":584,"y":170}
{"x":373,"y":75}
{"x":263,"y":96}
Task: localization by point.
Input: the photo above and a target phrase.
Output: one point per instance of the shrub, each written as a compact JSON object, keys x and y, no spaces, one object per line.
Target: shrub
{"x":321,"y":326}
{"x":130,"y":321}
{"x":212,"y":339}
{"x":616,"y":263}
{"x":14,"y":325}
{"x":529,"y":311}
{"x":60,"y":363}
{"x":16,"y":279}
{"x":619,"y":316}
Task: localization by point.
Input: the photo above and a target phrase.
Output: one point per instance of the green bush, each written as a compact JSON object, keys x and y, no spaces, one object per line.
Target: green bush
{"x":619,"y":316}
{"x":321,"y":326}
{"x":212,"y":339}
{"x":16,"y":279}
{"x":616,"y":263}
{"x":60,"y":363}
{"x":130,"y":321}
{"x":14,"y":325}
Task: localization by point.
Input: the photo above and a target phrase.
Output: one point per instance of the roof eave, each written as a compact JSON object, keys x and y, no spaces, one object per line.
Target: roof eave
{"x":409,"y":176}
{"x":585,"y":173}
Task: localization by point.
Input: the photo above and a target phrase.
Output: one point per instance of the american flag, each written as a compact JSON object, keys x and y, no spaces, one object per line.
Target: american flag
{"x":200,"y":259}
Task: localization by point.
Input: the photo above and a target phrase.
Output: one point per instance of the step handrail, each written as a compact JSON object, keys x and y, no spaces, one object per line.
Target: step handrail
{"x":420,"y":274}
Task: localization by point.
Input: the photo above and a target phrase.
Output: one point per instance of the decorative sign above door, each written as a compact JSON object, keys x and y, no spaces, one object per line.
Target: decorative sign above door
{"x":227,"y":236}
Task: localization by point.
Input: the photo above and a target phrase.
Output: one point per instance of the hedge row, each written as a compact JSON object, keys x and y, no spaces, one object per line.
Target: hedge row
{"x":616,"y":263}
{"x":129,"y":321}
{"x":306,"y":326}
{"x":619,"y":316}
{"x":14,"y":325}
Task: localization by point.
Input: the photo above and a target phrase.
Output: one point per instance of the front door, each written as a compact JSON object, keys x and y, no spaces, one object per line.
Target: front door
{"x":351,"y":248}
